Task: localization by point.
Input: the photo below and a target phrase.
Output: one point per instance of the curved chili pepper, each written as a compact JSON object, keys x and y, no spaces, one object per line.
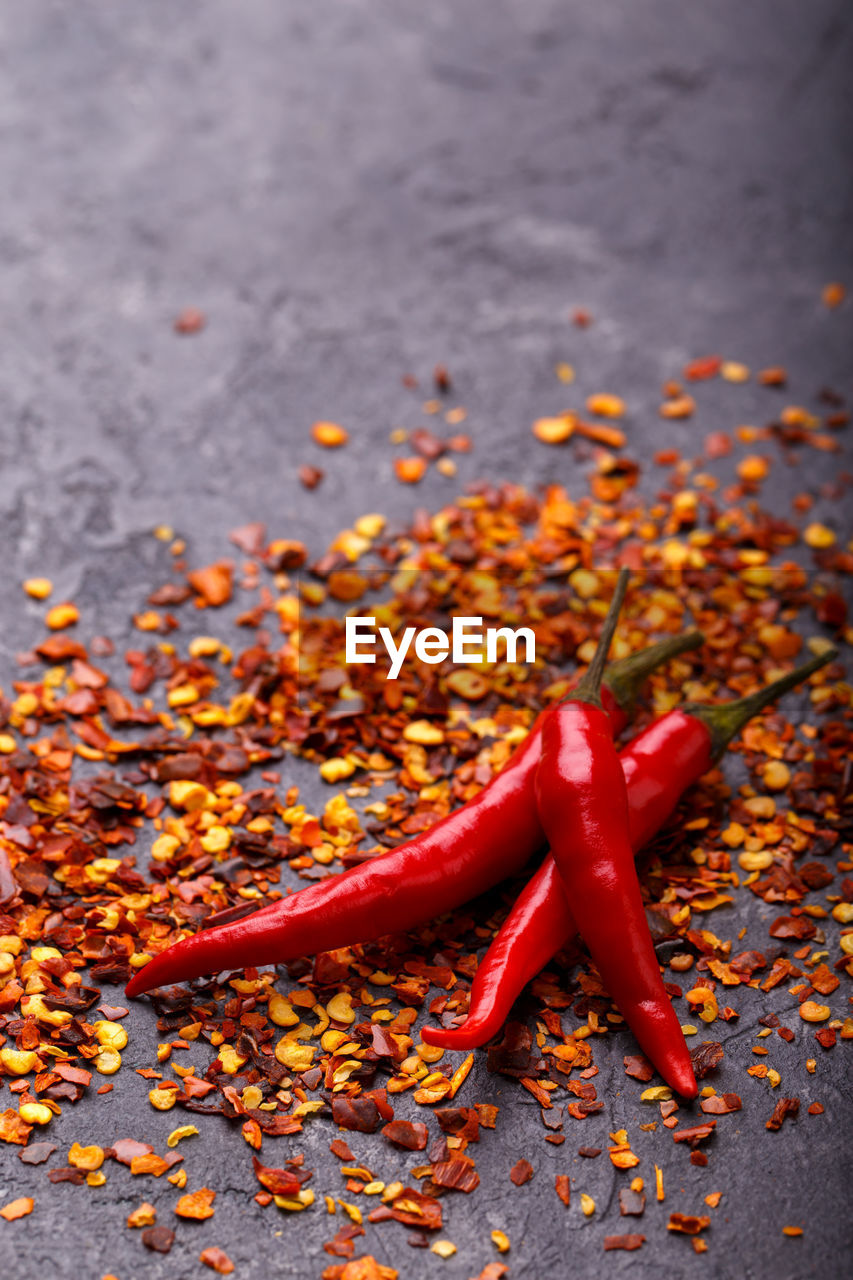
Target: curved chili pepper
{"x":492,"y":836}
{"x":583,"y":808}
{"x":659,"y":765}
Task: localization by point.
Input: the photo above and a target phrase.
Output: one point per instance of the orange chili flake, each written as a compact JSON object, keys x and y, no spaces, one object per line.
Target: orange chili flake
{"x":606,"y":406}
{"x":144,"y":1216}
{"x":217,"y":1259}
{"x":555,"y":430}
{"x":410,"y":470}
{"x":17,"y":1208}
{"x":197,"y":1204}
{"x":682,"y":406}
{"x":329,"y":434}
{"x":213,"y":583}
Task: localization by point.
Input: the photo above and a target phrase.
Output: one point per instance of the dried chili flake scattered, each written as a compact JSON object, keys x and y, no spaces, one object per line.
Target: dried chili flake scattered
{"x":632,"y":1204}
{"x":217,"y":1259}
{"x":706,"y":1058}
{"x":37,"y":1152}
{"x":521,"y":1172}
{"x":197,"y":1205}
{"x":331,"y":435}
{"x":190,"y":321}
{"x":456,"y":1175}
{"x":410,"y":1135}
{"x":143,"y":1216}
{"x":364,"y":1268}
{"x":17,"y":1208}
{"x":721,"y":1104}
{"x":784,"y":1108}
{"x":687,"y":1224}
{"x":158,"y":1239}
{"x":628,"y":1242}
{"x":638,"y":1067}
{"x":410,"y":470}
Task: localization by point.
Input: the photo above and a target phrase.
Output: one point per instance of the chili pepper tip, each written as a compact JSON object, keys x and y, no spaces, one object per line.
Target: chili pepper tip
{"x":588,"y":688}
{"x":725,"y":720}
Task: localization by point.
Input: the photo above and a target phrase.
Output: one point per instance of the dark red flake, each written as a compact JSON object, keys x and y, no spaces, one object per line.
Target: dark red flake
{"x":638,"y":1067}
{"x":563,"y":1187}
{"x":410,"y":1135}
{"x":590,"y":1152}
{"x":629,"y":1242}
{"x":37,"y":1152}
{"x":125,"y":1149}
{"x":456,"y":1175}
{"x":76,"y":1176}
{"x":310,"y":477}
{"x":343,"y":1245}
{"x":281,"y":1182}
{"x":158,"y":1239}
{"x":784,"y":1107}
{"x":340,"y":1149}
{"x":792,"y":927}
{"x":361,"y":1114}
{"x":696,"y":1133}
{"x":521,"y":1172}
{"x":428,"y":1217}
{"x":706,"y":1057}
{"x":687,"y":1223}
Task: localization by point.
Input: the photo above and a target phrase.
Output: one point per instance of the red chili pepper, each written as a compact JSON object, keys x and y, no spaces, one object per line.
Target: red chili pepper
{"x":659,"y":765}
{"x":583,"y":808}
{"x":489,"y":838}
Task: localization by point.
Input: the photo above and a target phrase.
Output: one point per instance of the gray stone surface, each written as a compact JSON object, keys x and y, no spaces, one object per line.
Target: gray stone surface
{"x":351,"y":191}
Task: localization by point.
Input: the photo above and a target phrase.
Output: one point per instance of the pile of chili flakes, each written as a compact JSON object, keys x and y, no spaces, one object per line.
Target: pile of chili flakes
{"x":134,"y":810}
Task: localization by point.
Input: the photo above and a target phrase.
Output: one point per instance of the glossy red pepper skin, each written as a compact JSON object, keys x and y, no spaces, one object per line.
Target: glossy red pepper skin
{"x":583,"y":807}
{"x":658,"y":766}
{"x":491,"y":837}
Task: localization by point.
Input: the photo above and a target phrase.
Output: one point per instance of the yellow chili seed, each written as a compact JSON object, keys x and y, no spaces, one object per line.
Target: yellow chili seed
{"x":18,"y":1062}
{"x":811,"y":1011}
{"x":108,"y":1062}
{"x":111,"y":1035}
{"x":329,"y":434}
{"x":35,"y":1113}
{"x":444,"y":1248}
{"x":162,"y":1099}
{"x":61,"y":616}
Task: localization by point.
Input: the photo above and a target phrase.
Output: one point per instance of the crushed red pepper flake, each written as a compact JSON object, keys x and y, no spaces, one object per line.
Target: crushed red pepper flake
{"x":227,"y":842}
{"x":688,"y":1224}
{"x":197,"y":1205}
{"x":628,"y":1242}
{"x":521,"y":1172}
{"x":158,"y":1239}
{"x":19,"y":1208}
{"x":785,"y":1107}
{"x":217,"y":1259}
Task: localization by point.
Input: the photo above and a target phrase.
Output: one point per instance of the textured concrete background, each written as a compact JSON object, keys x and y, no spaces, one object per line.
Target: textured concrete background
{"x":351,"y":191}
